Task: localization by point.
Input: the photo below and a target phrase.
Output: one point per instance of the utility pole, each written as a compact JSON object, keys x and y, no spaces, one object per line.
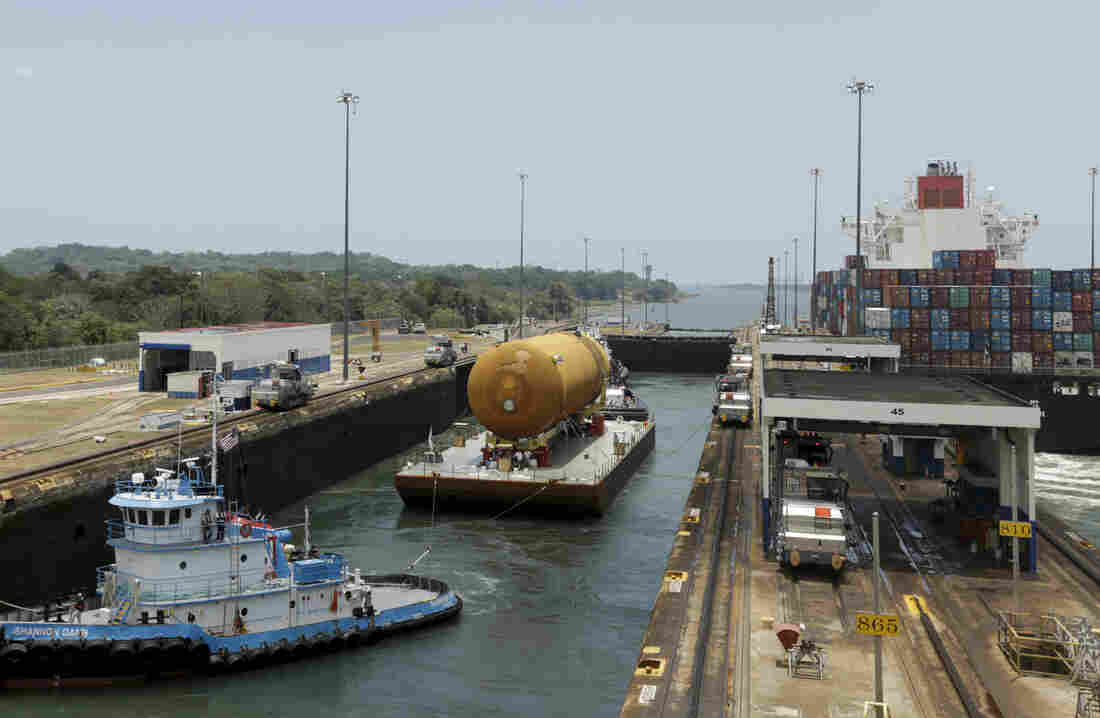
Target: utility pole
{"x":522,"y":209}
{"x":858,"y":88}
{"x":1092,"y":228}
{"x":786,"y":286}
{"x":586,"y":287}
{"x":350,"y":102}
{"x":875,"y":580}
{"x":795,"y":312}
{"x":324,"y":292}
{"x":816,"y":174}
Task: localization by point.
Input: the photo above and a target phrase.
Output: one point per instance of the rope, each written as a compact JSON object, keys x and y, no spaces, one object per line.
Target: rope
{"x":21,"y":608}
{"x":522,"y":501}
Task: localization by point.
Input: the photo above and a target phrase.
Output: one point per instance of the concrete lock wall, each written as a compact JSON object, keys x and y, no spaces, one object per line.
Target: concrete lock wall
{"x":54,"y":541}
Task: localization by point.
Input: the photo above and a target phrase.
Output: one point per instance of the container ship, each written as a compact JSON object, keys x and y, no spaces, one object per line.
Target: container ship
{"x":943,"y":277}
{"x":552,"y":443}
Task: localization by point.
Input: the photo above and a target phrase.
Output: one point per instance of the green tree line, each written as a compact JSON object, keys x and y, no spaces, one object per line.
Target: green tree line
{"x":78,"y":294}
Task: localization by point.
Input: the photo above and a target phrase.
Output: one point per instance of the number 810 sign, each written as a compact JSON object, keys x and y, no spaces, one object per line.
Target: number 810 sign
{"x":875,"y":625}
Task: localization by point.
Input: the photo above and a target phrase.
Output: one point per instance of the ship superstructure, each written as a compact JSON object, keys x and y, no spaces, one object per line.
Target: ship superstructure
{"x":905,"y":236}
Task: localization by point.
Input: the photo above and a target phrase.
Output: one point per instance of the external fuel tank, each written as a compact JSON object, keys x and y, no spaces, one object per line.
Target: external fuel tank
{"x":523,"y":387}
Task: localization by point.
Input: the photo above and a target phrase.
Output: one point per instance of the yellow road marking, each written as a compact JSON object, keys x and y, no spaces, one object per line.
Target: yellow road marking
{"x":912,"y":602}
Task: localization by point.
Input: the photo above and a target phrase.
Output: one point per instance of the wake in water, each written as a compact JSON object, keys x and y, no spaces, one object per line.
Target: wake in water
{"x":1069,"y":488}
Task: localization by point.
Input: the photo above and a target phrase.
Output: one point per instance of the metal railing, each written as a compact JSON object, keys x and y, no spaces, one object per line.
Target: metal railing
{"x":1037,"y":644}
{"x":172,"y":590}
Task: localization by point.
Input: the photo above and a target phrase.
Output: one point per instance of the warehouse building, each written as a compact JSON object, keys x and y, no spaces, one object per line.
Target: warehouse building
{"x":239,"y":351}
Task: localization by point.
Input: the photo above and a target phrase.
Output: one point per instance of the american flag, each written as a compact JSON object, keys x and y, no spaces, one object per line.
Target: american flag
{"x":228,"y":441}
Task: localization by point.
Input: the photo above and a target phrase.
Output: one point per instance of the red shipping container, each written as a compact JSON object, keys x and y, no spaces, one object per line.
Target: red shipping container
{"x":890,"y":278}
{"x":964,"y":277}
{"x":968,"y":258}
{"x":872,"y":279}
{"x":979,"y":360}
{"x":983,"y":277}
{"x":1082,"y":302}
{"x":1096,"y":281}
{"x":1021,"y":277}
{"x":1021,"y":320}
{"x":925,"y":277}
{"x":1042,"y":342}
{"x":921,"y":339}
{"x":902,"y":337}
{"x":1021,"y":341}
{"x":960,"y":318}
{"x":986,"y":258}
{"x":943,"y":277}
{"x":899,"y":296}
{"x":979,"y":297}
{"x":1042,"y":361}
{"x":941,"y":358}
{"x":1021,"y":297}
{"x":941,"y":298}
{"x":920,"y":318}
{"x":960,"y":358}
{"x":1001,"y":360}
{"x":1082,"y":322}
{"x":979,"y":318}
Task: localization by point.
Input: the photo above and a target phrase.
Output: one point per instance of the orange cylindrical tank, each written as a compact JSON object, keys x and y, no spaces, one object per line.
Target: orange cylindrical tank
{"x":524,"y":387}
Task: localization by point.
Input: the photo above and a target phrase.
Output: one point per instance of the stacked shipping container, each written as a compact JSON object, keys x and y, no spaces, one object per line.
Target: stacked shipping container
{"x":966,"y":312}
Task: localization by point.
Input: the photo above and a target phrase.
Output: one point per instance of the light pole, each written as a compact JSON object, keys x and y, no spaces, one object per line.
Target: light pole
{"x":1092,"y":228}
{"x":522,"y":210}
{"x":859,"y":88}
{"x":666,"y":299}
{"x":795,"y":312}
{"x":816,"y":174}
{"x":786,"y":286}
{"x":351,"y":102}
{"x":324,"y":294}
{"x":622,"y":292}
{"x":645,"y":290}
{"x":586,"y":289}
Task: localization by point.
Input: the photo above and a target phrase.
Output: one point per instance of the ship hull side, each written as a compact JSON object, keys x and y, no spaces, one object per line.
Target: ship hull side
{"x":1067,"y":426}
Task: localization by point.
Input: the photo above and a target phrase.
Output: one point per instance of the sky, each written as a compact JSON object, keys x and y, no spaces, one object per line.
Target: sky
{"x":686,"y":130}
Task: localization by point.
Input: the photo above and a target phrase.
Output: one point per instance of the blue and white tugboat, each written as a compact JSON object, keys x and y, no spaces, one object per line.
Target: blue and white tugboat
{"x":197,"y":585}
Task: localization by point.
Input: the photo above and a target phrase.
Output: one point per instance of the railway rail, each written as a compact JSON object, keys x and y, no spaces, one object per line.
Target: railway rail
{"x":229,"y":421}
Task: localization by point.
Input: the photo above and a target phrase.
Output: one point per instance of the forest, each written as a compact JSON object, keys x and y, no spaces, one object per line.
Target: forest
{"x":80,"y":294}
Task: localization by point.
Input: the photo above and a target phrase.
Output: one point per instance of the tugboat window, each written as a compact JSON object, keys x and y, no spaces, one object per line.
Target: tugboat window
{"x":183,"y":565}
{"x":133,"y":516}
{"x":143,"y":517}
{"x":158,"y":518}
{"x":174,"y":516}
{"x":187,"y":513}
{"x":244,"y":557}
{"x":244,"y":611}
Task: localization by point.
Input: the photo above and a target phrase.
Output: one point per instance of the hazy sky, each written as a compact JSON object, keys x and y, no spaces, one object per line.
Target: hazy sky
{"x":683,"y":128}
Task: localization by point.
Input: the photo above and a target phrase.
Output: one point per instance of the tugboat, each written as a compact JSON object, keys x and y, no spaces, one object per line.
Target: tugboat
{"x":199,"y":586}
{"x":552,"y":443}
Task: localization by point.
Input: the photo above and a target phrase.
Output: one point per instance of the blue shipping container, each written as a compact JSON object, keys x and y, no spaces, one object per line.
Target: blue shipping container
{"x":1063,"y":342}
{"x":1041,"y":277}
{"x":1000,"y":340}
{"x":1062,"y":301}
{"x":979,"y":339}
{"x":1042,"y":320}
{"x":1082,"y":342}
{"x":919,"y":297}
{"x":960,"y":340}
{"x":872,"y":297}
{"x":1000,"y":297}
{"x":1096,"y":321}
{"x":884,"y":333}
{"x":1002,"y":277}
{"x":951,"y":259}
{"x":1000,"y":319}
{"x":941,"y":340}
{"x":907,"y":276}
{"x":1041,"y":297}
{"x":937,"y":259}
{"x":899,"y":318}
{"x":1096,"y":299}
{"x":941,"y":318}
{"x":1082,"y":280}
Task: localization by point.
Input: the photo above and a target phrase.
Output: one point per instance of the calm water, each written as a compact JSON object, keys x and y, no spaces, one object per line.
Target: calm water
{"x":555,"y":610}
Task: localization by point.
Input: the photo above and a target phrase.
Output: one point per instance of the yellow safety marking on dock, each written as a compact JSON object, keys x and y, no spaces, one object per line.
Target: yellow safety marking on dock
{"x":6,"y":495}
{"x":752,"y":446}
{"x":651,"y":649}
{"x":703,"y":477}
{"x":647,"y":694}
{"x":692,"y":516}
{"x":675,"y":580}
{"x":915,"y":603}
{"x":682,"y":532}
{"x":650,"y":667}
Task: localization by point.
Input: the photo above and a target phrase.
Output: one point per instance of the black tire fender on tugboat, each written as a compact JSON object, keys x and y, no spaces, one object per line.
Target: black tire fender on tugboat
{"x":123,"y":649}
{"x":70,"y":654}
{"x":13,"y":653}
{"x":353,"y":637}
{"x":301,"y":647}
{"x":150,"y":652}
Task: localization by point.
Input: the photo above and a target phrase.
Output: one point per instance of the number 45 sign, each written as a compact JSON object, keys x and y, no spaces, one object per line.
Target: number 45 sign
{"x":874,"y":625}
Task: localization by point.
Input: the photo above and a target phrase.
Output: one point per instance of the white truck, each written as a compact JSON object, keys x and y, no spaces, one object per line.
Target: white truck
{"x":286,"y":389}
{"x":733,"y":406}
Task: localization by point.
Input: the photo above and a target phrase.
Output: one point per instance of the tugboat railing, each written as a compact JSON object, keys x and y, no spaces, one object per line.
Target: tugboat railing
{"x":203,"y":586}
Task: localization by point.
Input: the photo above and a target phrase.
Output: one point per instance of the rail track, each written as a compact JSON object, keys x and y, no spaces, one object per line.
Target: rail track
{"x":163,"y":440}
